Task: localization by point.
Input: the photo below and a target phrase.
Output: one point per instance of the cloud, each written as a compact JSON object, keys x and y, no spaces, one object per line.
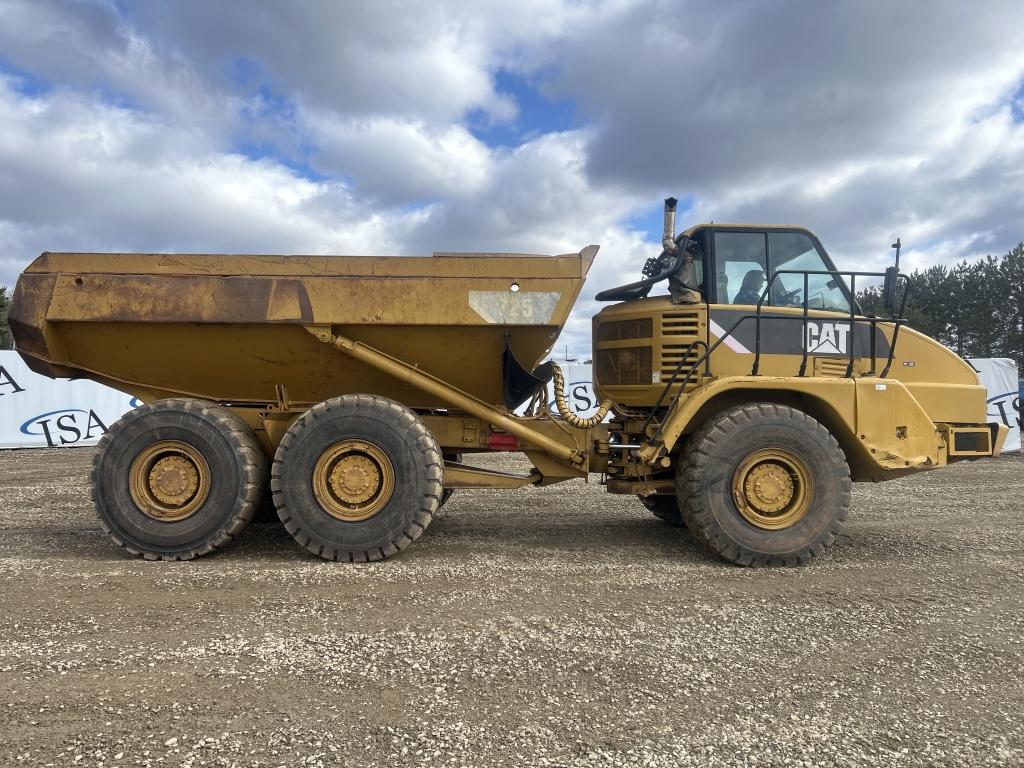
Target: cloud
{"x":370,"y":128}
{"x":108,"y":178}
{"x":856,"y":119}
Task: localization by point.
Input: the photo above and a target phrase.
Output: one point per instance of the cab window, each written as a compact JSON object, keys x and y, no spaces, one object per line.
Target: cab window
{"x":740,"y":266}
{"x":795,"y":250}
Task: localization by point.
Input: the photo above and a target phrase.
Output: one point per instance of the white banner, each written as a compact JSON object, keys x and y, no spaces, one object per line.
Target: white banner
{"x":579,"y":389}
{"x":1002,"y":380}
{"x":37,"y":412}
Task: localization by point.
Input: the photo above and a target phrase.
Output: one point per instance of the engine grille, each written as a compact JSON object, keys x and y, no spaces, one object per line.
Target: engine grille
{"x":628,"y":365}
{"x":680,"y":324}
{"x":678,"y":329}
{"x":621,"y":330}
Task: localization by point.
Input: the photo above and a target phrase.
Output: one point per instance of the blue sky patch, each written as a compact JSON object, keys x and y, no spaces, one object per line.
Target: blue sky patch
{"x":537,"y":113}
{"x":25,"y":83}
{"x":651,"y":220}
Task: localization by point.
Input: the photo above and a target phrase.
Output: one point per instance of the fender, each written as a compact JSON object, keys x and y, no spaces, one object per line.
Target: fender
{"x":879,"y":421}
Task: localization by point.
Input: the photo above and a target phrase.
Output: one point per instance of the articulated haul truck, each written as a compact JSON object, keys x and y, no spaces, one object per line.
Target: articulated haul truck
{"x":742,"y":404}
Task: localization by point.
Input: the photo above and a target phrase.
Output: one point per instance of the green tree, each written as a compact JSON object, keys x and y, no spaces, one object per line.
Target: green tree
{"x":976,"y":309}
{"x":6,"y":340}
{"x":1011,"y":274}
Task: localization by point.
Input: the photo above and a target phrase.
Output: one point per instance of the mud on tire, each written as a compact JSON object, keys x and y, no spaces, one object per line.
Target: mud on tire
{"x":343,"y":515}
{"x":720,"y":452}
{"x":235,"y":472}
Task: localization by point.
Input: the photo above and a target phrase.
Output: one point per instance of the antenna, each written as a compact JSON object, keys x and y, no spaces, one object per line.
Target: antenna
{"x":897,"y":245}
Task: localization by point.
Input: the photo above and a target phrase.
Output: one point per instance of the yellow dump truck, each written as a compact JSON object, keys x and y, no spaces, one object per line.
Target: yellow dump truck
{"x":742,"y":404}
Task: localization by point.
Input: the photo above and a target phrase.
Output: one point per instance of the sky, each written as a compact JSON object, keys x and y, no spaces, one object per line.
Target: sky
{"x":403,"y":128}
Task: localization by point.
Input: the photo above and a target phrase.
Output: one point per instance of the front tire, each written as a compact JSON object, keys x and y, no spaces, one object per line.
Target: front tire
{"x":764,"y":484}
{"x":357,"y":478}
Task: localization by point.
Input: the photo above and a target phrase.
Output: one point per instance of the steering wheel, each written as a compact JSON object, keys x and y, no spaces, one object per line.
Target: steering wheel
{"x":787,"y":297}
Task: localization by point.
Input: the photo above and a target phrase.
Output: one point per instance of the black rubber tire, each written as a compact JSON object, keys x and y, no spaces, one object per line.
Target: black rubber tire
{"x":414,"y":455}
{"x":449,"y":492}
{"x":665,"y":507}
{"x":238,"y":472}
{"x":704,"y":482}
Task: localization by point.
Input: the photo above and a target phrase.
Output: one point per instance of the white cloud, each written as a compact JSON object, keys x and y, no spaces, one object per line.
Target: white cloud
{"x":395,"y":160}
{"x":79,"y":175}
{"x":861,"y":121}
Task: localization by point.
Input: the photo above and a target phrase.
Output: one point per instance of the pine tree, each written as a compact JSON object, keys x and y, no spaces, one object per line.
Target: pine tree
{"x":6,"y":340}
{"x":1011,"y":275}
{"x":976,"y":309}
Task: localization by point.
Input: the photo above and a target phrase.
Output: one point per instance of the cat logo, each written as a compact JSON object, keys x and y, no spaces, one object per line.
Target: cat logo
{"x":827,"y":338}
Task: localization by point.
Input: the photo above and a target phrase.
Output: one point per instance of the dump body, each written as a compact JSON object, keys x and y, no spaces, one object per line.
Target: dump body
{"x":233,"y":328}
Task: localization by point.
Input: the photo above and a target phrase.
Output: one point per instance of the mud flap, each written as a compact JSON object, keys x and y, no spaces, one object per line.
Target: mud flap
{"x":519,"y":384}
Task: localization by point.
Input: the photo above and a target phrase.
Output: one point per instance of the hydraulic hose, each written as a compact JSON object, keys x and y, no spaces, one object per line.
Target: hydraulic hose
{"x":558,"y":379}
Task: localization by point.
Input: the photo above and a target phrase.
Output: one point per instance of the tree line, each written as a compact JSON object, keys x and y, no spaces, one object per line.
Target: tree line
{"x":974,"y":308}
{"x":6,"y":342}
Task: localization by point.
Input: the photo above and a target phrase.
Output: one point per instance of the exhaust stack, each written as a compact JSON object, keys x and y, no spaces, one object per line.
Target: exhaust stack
{"x":668,"y":240}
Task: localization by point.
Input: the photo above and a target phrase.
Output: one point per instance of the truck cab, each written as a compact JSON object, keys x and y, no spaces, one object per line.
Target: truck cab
{"x":774,"y":320}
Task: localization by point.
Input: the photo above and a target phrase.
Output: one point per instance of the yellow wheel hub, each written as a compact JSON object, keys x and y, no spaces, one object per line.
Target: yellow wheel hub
{"x":773,"y":488}
{"x":353,"y":480}
{"x":169,"y":480}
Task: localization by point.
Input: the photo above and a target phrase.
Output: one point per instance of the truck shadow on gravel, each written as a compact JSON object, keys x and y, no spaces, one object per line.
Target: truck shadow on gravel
{"x":471,"y":534}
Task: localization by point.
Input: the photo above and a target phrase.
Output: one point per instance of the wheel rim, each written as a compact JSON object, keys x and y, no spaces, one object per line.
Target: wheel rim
{"x":169,"y":481}
{"x":353,"y":480}
{"x":773,"y":488}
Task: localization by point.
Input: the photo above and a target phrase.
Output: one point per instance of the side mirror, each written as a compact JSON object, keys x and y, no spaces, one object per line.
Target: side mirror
{"x":889,"y":289}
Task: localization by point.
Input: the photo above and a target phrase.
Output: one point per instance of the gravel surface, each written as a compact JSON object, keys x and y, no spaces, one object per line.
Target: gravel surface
{"x":560,"y":626}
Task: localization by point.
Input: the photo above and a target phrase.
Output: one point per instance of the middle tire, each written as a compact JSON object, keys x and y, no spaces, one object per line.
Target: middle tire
{"x":357,"y":478}
{"x":665,"y":507}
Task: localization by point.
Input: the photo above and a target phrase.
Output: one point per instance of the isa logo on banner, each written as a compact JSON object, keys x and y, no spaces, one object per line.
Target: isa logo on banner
{"x":37,"y":412}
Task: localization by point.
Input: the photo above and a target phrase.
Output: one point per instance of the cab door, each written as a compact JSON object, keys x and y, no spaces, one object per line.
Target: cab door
{"x":743,"y":260}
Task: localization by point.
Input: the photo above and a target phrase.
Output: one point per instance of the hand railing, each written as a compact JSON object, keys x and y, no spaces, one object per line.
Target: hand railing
{"x":675,"y":374}
{"x":896,"y":319}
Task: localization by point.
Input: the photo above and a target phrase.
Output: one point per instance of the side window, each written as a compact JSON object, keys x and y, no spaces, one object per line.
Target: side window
{"x":795,"y":250}
{"x":740,"y":266}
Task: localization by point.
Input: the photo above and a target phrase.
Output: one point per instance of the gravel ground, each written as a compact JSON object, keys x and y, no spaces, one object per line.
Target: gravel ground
{"x":560,"y":626}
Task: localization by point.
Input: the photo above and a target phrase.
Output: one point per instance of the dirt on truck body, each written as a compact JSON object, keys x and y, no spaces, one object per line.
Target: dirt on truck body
{"x":350,"y":389}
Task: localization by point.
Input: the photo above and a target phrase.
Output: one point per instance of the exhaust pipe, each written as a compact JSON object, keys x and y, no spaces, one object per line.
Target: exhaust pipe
{"x":668,"y":240}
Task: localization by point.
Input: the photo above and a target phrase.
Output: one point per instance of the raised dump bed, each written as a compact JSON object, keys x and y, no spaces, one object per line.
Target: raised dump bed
{"x":233,"y":328}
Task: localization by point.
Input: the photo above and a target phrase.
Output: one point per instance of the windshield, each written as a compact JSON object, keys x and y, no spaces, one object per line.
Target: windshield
{"x":796,"y":251}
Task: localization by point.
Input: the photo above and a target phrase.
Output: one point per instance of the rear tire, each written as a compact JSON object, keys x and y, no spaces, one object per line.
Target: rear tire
{"x":177,"y":479}
{"x":665,"y":507}
{"x":357,"y":478}
{"x":764,"y":484}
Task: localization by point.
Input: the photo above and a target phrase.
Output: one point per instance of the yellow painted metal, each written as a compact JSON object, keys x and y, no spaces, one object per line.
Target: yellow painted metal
{"x":887,"y":426}
{"x":169,"y":480}
{"x":430,"y":333}
{"x":566,"y":450}
{"x":231,"y":328}
{"x":353,"y":480}
{"x":773,"y":488}
{"x":457,"y":475}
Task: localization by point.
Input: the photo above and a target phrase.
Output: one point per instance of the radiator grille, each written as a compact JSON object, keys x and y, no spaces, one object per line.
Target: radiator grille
{"x":621,"y":330}
{"x":629,"y":365}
